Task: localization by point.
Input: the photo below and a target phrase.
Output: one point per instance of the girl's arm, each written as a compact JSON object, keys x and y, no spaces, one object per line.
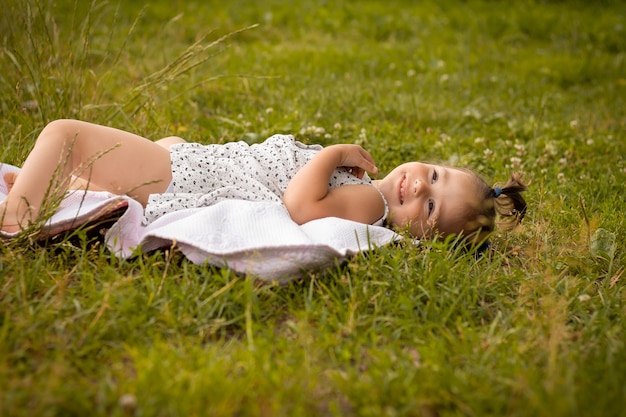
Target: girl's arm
{"x":308,"y":196}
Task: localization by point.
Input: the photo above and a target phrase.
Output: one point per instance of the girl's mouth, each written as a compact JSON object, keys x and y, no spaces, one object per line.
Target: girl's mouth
{"x":402,"y":189}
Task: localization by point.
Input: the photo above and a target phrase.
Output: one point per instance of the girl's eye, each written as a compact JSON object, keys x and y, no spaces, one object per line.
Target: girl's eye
{"x":431,"y":207}
{"x":435,"y":177}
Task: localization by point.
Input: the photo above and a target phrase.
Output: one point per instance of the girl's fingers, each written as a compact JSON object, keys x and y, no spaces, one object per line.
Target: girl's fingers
{"x":356,"y":158}
{"x":370,"y":162}
{"x":365,"y":161}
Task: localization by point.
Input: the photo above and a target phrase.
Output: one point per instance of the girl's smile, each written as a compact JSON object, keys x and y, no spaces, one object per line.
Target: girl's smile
{"x":402,"y":187}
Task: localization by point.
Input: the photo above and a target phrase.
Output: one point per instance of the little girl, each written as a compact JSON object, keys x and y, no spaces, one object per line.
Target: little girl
{"x":312,"y":182}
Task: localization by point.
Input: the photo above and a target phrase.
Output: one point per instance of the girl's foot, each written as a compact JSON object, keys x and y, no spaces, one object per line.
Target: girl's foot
{"x":9,"y":179}
{"x":7,"y":226}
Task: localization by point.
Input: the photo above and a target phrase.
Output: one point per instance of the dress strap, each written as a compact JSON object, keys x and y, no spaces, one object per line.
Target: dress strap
{"x":381,"y":221}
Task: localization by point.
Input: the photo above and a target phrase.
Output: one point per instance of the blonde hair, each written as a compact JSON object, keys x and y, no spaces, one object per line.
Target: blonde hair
{"x":498,"y":206}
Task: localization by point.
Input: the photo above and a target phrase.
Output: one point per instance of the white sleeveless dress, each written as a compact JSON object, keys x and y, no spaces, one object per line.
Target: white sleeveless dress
{"x":203,"y":175}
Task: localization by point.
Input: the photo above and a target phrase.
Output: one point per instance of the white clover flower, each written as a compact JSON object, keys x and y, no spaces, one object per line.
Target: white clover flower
{"x":487,"y":152}
{"x":589,"y":141}
{"x":573,"y":123}
{"x":337,"y":126}
{"x":362,"y":138}
{"x":560,"y":177}
{"x":312,"y":130}
{"x":563,"y":161}
{"x":269,"y":110}
{"x":479,"y":140}
{"x":410,"y":73}
{"x":472,"y":112}
{"x":444,"y":78}
{"x":128,"y":403}
{"x":551,"y":149}
{"x":398,"y":83}
{"x":516,"y":162}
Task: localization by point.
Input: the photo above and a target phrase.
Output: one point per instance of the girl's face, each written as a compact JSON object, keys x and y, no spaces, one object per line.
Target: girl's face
{"x":427,"y":198}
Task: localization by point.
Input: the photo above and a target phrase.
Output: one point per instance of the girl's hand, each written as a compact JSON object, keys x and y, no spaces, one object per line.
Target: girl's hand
{"x":355,"y":159}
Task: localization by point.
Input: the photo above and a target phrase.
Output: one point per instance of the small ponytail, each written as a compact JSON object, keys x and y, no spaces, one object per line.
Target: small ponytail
{"x":509,"y":204}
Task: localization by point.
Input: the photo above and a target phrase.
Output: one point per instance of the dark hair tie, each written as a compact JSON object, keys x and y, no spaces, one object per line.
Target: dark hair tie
{"x":497,"y":191}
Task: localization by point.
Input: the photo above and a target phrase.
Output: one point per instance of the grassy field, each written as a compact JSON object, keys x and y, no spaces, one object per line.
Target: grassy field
{"x":536,"y":328}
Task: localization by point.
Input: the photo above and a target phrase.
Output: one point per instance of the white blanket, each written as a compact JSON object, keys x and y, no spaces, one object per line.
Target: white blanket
{"x":257,"y":238}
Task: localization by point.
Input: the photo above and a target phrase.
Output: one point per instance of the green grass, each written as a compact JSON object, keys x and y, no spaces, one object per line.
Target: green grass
{"x":535,"y":328}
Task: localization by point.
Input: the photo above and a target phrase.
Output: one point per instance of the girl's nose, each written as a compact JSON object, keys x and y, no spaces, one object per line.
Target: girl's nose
{"x":419,"y":187}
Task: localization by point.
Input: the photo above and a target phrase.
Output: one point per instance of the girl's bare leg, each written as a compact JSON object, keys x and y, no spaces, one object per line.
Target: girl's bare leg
{"x":106,"y":158}
{"x":78,"y":183}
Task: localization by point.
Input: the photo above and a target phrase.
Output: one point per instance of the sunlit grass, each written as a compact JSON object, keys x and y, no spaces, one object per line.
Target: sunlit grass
{"x":534,"y":327}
